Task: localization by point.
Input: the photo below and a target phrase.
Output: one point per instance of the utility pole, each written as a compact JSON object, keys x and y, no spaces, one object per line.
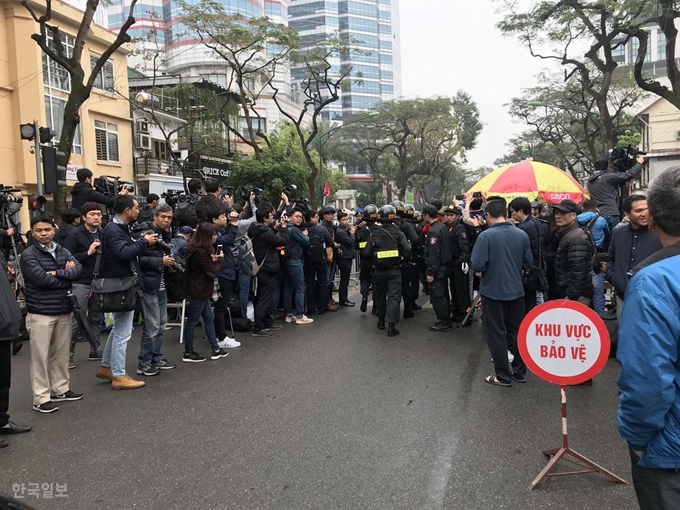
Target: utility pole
{"x":38,"y":167}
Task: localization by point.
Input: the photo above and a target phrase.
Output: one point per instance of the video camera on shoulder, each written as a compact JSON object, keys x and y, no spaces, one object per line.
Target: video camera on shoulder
{"x":171,"y":197}
{"x":111,"y":186}
{"x":624,"y":158}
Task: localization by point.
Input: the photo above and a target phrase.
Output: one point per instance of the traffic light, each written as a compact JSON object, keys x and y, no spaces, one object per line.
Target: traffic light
{"x":51,"y":169}
{"x":27,"y":131}
{"x":36,"y":203}
{"x":46,"y":134}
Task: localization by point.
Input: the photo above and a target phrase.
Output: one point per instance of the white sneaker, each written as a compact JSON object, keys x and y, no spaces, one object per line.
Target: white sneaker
{"x":290,"y":318}
{"x":228,"y":343}
{"x":511,"y":358}
{"x":303,"y":320}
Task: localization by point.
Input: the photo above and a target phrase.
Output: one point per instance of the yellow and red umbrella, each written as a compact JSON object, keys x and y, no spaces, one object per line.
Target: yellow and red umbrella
{"x":534,"y":180}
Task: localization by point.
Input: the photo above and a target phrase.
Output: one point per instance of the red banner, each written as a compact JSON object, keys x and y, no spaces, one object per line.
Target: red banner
{"x":326,"y":189}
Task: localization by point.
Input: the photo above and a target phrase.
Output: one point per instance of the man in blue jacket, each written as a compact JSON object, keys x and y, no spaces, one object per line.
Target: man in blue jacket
{"x":49,"y":272}
{"x":294,"y":270}
{"x":119,"y":255}
{"x":591,"y":220}
{"x":649,"y":352}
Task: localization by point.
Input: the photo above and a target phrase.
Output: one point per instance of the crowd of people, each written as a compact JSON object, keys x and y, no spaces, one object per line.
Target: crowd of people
{"x":233,"y":261}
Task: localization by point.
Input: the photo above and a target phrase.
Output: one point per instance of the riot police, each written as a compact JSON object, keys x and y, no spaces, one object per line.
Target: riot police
{"x":438,"y":260}
{"x":388,"y":248}
{"x":459,"y":282}
{"x":407,"y":266}
{"x":416,"y":253}
{"x":361,"y":238}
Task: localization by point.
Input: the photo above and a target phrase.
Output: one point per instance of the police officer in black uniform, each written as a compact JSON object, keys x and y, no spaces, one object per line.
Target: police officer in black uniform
{"x":407,"y":228}
{"x":459,"y":282}
{"x":417,"y":250}
{"x":388,"y":248}
{"x":438,"y":261}
{"x":361,"y":238}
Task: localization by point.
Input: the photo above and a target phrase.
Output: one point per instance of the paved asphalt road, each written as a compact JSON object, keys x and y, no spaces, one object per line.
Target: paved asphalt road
{"x":332,"y":415}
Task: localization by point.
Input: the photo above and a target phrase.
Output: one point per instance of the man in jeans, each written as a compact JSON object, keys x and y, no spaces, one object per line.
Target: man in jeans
{"x":294,"y":273}
{"x":83,"y":243}
{"x":316,"y":268}
{"x":153,"y":264}
{"x":242,"y":225}
{"x":119,"y":255}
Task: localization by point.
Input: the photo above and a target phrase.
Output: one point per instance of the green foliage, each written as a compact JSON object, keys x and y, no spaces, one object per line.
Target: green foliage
{"x":370,"y":193}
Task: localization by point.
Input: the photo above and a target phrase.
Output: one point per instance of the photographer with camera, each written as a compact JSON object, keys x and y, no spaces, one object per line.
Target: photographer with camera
{"x":119,"y":254}
{"x":294,"y":274}
{"x":186,"y":204}
{"x":83,"y":243}
{"x":148,"y":213}
{"x":603,"y":186}
{"x":242,"y":225}
{"x":212,"y":198}
{"x":83,"y":191}
{"x":153,"y":263}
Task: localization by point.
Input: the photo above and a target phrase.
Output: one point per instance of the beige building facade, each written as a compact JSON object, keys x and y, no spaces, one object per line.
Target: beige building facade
{"x":660,"y":138}
{"x":33,"y":87}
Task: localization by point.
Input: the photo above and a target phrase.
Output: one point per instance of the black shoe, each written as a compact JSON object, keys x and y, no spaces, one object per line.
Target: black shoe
{"x":3,"y":443}
{"x":260,"y":333}
{"x":347,"y":303}
{"x":69,"y":396}
{"x":392,"y":330}
{"x":364,"y":304}
{"x":192,"y":357}
{"x":13,"y":428}
{"x":381,"y":323}
{"x":440,"y":326}
{"x":222,"y":353}
{"x":163,"y":364}
{"x":95,"y":356}
{"x":416,"y":307}
{"x":374,"y":311}
{"x":408,"y":314}
{"x":47,"y":407}
{"x":589,"y":382}
{"x":16,"y":347}
{"x":521,"y":380}
{"x":148,"y":370}
{"x":273,"y":327}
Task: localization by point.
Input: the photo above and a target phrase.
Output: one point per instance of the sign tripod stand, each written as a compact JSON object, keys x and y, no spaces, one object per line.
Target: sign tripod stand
{"x":556,"y":454}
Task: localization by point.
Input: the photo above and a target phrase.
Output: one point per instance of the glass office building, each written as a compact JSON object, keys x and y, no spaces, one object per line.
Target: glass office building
{"x":375,"y":52}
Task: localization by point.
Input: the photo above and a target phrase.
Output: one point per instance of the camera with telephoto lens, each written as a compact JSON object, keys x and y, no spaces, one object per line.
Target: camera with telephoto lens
{"x":171,"y":197}
{"x":8,"y":196}
{"x":624,"y":158}
{"x":111,"y":186}
{"x":245,"y":193}
{"x":179,"y":264}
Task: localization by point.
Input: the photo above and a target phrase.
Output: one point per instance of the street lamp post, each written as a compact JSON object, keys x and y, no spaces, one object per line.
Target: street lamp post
{"x":603,"y":135}
{"x":327,"y":135}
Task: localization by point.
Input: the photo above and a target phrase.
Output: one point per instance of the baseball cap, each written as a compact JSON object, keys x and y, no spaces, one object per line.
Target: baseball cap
{"x":567,"y":206}
{"x":327,"y":210}
{"x":535,"y":205}
{"x":186,"y":230}
{"x":452,"y":210}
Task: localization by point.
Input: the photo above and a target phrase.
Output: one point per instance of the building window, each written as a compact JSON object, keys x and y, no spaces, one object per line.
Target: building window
{"x":54,"y":116}
{"x":661,"y":45}
{"x":258,"y":127}
{"x":105,"y":79}
{"x":618,"y":52}
{"x":106,"y":141}
{"x":54,"y":75}
{"x":160,"y":150}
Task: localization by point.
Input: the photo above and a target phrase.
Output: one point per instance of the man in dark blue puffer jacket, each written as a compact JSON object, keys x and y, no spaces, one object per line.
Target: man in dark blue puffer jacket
{"x":49,"y":272}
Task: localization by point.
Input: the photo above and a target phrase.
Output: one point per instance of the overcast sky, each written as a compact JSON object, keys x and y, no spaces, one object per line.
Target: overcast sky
{"x":449,"y":45}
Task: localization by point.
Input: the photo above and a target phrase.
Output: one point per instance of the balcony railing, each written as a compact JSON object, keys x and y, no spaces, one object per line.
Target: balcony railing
{"x":149,"y":166}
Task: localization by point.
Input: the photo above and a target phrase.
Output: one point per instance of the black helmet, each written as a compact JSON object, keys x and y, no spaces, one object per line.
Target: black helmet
{"x":409,"y":211}
{"x":417,"y":217}
{"x":387,"y":213}
{"x":399,"y":207}
{"x":371,"y":212}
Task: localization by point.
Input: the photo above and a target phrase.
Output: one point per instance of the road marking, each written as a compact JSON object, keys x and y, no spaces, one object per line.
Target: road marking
{"x":441,"y":472}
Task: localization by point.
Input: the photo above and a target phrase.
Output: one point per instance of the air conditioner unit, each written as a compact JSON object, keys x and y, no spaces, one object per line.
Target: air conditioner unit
{"x":143,"y":142}
{"x":142,"y":126}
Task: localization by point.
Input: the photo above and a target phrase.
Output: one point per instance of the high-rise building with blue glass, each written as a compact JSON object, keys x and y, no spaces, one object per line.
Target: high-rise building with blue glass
{"x":375,"y":49}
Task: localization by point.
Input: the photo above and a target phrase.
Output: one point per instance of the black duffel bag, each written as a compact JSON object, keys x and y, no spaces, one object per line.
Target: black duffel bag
{"x":118,"y":294}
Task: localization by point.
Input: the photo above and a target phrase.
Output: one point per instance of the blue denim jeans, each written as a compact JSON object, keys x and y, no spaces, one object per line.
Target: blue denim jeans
{"x":116,"y":345}
{"x":155,"y":310}
{"x":598,"y":292}
{"x":294,"y":282}
{"x":243,"y":293}
{"x":196,"y":309}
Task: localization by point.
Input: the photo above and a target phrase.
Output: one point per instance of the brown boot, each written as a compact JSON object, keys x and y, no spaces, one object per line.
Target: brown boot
{"x":104,"y":373}
{"x":125,"y":382}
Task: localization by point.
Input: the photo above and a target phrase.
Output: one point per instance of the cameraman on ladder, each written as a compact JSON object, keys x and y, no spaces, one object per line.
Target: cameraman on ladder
{"x":83,"y":191}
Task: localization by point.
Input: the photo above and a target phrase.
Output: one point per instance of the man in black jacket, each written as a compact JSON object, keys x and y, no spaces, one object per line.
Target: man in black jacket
{"x":265,"y":244}
{"x":344,"y":236}
{"x":316,"y":268}
{"x":459,"y":282}
{"x":146,"y":214}
{"x":438,"y":261}
{"x":629,"y":246}
{"x":211,"y":199}
{"x":70,"y":219}
{"x":49,"y":272}
{"x":574,"y":254}
{"x":83,"y":191}
{"x":154,"y":262}
{"x":520,"y":210}
{"x":83,"y":243}
{"x":119,"y":254}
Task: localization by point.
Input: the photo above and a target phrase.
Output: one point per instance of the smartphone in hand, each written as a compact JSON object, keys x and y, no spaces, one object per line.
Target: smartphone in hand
{"x":218,"y":251}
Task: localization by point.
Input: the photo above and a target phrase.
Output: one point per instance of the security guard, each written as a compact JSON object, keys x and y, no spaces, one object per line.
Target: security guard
{"x":363,"y":234}
{"x":388,"y":247}
{"x":417,"y":250}
{"x":418,"y":224}
{"x":407,"y":266}
{"x":459,"y":282}
{"x":438,"y":260}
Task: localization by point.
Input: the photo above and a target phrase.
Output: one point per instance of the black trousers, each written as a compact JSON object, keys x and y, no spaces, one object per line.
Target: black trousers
{"x":656,"y":489}
{"x":387,"y":293}
{"x":345,"y":267}
{"x":263,"y":305}
{"x":365,"y":275}
{"x":316,"y":295}
{"x":415,"y":284}
{"x":459,"y":285}
{"x":5,"y":378}
{"x":529,"y":300}
{"x":501,"y":324}
{"x":227,"y":293}
{"x":406,"y":286}
{"x":439,"y":294}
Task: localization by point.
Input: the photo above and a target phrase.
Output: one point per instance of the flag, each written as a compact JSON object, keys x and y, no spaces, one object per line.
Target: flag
{"x":326,"y":189}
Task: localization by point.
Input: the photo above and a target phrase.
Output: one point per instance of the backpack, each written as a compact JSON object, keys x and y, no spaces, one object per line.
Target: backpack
{"x":186,"y":210}
{"x":385,"y":249}
{"x":316,"y":251}
{"x":245,"y":257}
{"x":588,"y":229}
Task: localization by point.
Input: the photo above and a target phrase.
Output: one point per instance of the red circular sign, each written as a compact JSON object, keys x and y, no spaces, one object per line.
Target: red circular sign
{"x":563,"y":342}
